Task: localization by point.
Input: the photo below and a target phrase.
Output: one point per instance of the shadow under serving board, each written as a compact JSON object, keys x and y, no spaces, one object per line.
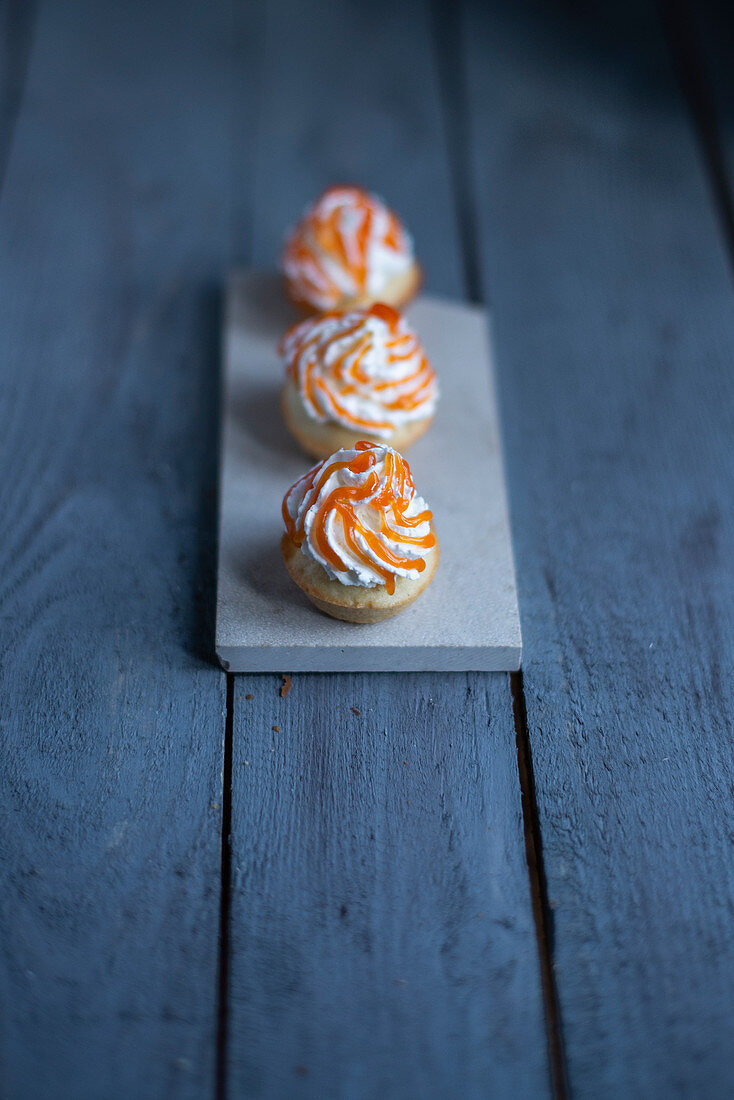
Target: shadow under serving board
{"x":468,"y":617}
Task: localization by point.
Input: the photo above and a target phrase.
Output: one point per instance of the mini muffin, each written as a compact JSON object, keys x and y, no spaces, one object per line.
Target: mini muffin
{"x":356,"y":375}
{"x":349,"y":250}
{"x":358,"y":539}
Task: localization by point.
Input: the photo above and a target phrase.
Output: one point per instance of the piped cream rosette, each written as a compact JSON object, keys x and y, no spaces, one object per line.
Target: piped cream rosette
{"x":356,"y":375}
{"x":349,"y":249}
{"x":358,"y":540}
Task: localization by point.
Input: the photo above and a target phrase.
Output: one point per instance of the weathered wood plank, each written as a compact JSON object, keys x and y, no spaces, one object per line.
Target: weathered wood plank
{"x":381,"y":931}
{"x":382,"y":942}
{"x":114,"y":233}
{"x":615,"y":338}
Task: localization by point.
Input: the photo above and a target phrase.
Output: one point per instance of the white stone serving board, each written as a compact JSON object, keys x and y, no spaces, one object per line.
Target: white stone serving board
{"x":468,"y":617}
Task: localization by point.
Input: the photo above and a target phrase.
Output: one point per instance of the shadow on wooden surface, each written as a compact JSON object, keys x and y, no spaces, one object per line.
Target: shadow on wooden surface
{"x":207,"y":402}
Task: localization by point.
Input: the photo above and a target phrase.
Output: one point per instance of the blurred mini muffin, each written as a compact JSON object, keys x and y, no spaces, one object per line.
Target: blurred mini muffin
{"x":356,"y":375}
{"x":358,"y":540}
{"x":349,"y":249}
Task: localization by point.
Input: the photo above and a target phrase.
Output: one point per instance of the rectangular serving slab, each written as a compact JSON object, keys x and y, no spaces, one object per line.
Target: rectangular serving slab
{"x":468,"y":617}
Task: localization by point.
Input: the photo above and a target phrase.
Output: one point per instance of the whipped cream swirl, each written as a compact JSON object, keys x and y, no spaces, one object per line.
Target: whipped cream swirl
{"x":365,"y":369}
{"x":358,"y":515}
{"x":348,"y":244}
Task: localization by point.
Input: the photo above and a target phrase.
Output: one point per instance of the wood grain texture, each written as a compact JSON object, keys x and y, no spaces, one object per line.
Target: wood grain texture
{"x":615,"y":339}
{"x":114,"y":235}
{"x":382,"y":942}
{"x":360,"y":962}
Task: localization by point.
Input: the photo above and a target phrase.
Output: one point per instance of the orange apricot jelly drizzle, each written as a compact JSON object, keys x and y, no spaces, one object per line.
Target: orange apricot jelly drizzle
{"x":347,"y":378}
{"x":391,"y":503}
{"x":325,"y":230}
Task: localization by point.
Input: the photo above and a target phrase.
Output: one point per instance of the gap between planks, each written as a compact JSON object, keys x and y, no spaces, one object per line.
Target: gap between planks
{"x":446,"y":25}
{"x":542,"y":915}
{"x":687,"y":54}
{"x":225,"y":901}
{"x":16,"y":35}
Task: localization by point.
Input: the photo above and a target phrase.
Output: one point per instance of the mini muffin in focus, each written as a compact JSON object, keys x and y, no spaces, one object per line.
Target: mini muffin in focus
{"x":349,"y":249}
{"x":358,"y":540}
{"x":356,"y":375}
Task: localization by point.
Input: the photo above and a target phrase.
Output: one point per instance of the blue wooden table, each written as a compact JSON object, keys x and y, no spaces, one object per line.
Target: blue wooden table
{"x":389,"y":885}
